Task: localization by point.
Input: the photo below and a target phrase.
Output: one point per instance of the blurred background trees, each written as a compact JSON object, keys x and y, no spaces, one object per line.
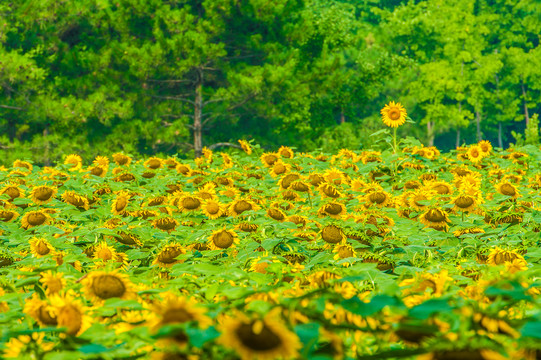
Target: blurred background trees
{"x":100,"y":76}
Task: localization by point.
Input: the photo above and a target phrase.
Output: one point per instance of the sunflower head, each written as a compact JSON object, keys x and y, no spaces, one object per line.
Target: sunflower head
{"x":74,"y":161}
{"x":499,"y":256}
{"x":100,"y":285}
{"x":222,"y":239}
{"x":332,"y":234}
{"x":70,"y":313}
{"x":43,"y":194}
{"x":35,"y":218}
{"x":245,"y":146}
{"x":52,"y":282}
{"x":393,"y":114}
{"x":167,"y":255}
{"x":165,"y":223}
{"x":268,"y":159}
{"x":153,"y":163}
{"x":435,"y":218}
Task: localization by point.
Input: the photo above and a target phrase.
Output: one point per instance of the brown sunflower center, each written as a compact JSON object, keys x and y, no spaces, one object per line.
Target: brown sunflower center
{"x":345,"y":252}
{"x":46,"y":316}
{"x":97,"y":171}
{"x":223,"y":239}
{"x":502,"y":256}
{"x":508,"y":189}
{"x":42,"y":248}
{"x":154,"y":164}
{"x":121,"y":204}
{"x":270,"y":159}
{"x":257,"y":339}
{"x":464,"y":202}
{"x":333,"y":208}
{"x":43,"y":193}
{"x":156,"y":201}
{"x":288,"y":179}
{"x":276,"y":214}
{"x":435,"y":215}
{"x":167,"y":256}
{"x":244,"y":226}
{"x":166,"y":224}
{"x":6,"y":215}
{"x":121,"y":159}
{"x":176,"y":315}
{"x":377,"y":197}
{"x":279,"y":168}
{"x":242,"y":206}
{"x":36,"y":218}
{"x":299,"y":186}
{"x":190,"y":203}
{"x":212,"y":208}
{"x":330,"y":191}
{"x":331,"y":234}
{"x":108,"y":286}
{"x":394,"y":114}
{"x":13,"y":192}
{"x":441,"y":189}
{"x":70,"y":317}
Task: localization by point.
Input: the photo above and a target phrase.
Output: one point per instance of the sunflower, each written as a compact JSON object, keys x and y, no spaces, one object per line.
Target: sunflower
{"x":344,"y":251}
{"x":18,"y":347}
{"x":239,"y":206}
{"x":153,"y":163}
{"x":187,"y":202}
{"x":276,"y":214}
{"x":222,"y":239}
{"x":104,"y":252}
{"x":70,"y":313}
{"x":474,"y":154}
{"x":506,"y":188}
{"x":246,"y":227}
{"x":176,"y":310}
{"x":13,"y":191}
{"x":121,"y":159}
{"x":35,"y":218}
{"x":378,"y":198}
{"x":212,"y":209}
{"x":71,"y":197}
{"x":333,"y":209}
{"x":52,"y":282}
{"x":499,"y":256}
{"x":100,"y":285}
{"x":286,"y":180}
{"x":328,"y":190}
{"x":465,"y":202}
{"x":120,"y":204}
{"x":334,"y":176}
{"x":43,"y":194}
{"x":394,"y":114}
{"x":8,"y":215}
{"x":74,"y":161}
{"x":245,"y":146}
{"x":99,"y":171}
{"x":41,"y":311}
{"x":417,"y":199}
{"x":279,"y":168}
{"x":184,"y":169}
{"x":268,"y":159}
{"x":167,"y":255}
{"x":440,"y":187}
{"x":207,"y":191}
{"x":165,"y":223}
{"x":255,"y":338}
{"x":332,"y":234}
{"x":298,"y":220}
{"x":40,"y":247}
{"x":286,"y":152}
{"x":101,"y":161}
{"x":435,"y":218}
{"x":23,"y":164}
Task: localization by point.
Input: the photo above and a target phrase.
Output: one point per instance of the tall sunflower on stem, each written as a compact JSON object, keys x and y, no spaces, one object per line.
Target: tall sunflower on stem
{"x":393,"y":115}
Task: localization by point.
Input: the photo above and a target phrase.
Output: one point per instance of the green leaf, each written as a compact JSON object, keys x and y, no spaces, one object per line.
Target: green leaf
{"x":429,"y":307}
{"x":378,"y":302}
{"x":198,"y":337}
{"x":532,"y":329}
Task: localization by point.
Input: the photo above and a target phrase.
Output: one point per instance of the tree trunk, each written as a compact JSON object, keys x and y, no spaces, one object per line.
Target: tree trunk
{"x":500,"y":142}
{"x":526,"y":114}
{"x":430,"y":133}
{"x":342,"y":117}
{"x":457,"y":137}
{"x":197,"y":121}
{"x":478,"y":120}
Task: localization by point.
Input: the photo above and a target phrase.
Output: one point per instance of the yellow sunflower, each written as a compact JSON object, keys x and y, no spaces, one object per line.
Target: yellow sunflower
{"x":165,"y":223}
{"x":13,"y":191}
{"x":40,"y":247}
{"x":187,"y":202}
{"x":223,"y":239}
{"x":394,"y":114}
{"x":268,"y":159}
{"x":279,"y":168}
{"x":465,"y":202}
{"x":499,"y":256}
{"x":18,"y":347}
{"x":335,"y":176}
{"x":74,"y":161}
{"x":332,"y":234}
{"x":213,"y":209}
{"x":8,"y":215}
{"x":43,"y":194}
{"x":435,"y":218}
{"x":262,"y":339}
{"x":239,"y":206}
{"x":121,"y":159}
{"x":101,"y":285}
{"x":506,"y":188}
{"x":70,"y":313}
{"x":333,"y":209}
{"x":167,"y":255}
{"x":35,"y":218}
{"x":120,"y":204}
{"x":71,"y":197}
{"x":245,"y":146}
{"x":153,"y":163}
{"x":104,"y":252}
{"x":475,"y":154}
{"x":23,"y":164}
{"x":99,"y":171}
{"x":485,"y":146}
{"x":285,"y":152}
{"x":53,"y":282}
{"x":40,"y":310}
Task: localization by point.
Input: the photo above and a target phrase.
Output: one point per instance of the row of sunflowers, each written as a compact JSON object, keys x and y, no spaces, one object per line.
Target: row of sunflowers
{"x":408,"y":254}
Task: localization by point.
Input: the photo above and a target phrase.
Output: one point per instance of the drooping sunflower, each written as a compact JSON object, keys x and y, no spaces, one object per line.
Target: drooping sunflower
{"x":70,"y":313}
{"x":187,"y":202}
{"x":167,"y":255}
{"x":8,"y":215}
{"x":245,"y":146}
{"x":153,"y":163}
{"x":120,"y":204}
{"x":246,"y":227}
{"x":344,"y":251}
{"x":268,"y":159}
{"x":276,"y":214}
{"x":435,"y":218}
{"x":43,"y":194}
{"x":101,"y":285}
{"x":262,"y":339}
{"x":378,"y":198}
{"x":465,"y":202}
{"x":328,"y":190}
{"x":35,"y":218}
{"x":71,"y":197}
{"x":393,"y":114}
{"x":121,"y":159}
{"x":41,"y":311}
{"x":335,"y":176}
{"x":99,"y":171}
{"x":506,"y":188}
{"x":165,"y":223}
{"x":40,"y":247}
{"x":279,"y":168}
{"x":286,"y":152}
{"x":238,"y":206}
{"x":13,"y":191}
{"x":499,"y":256}
{"x":23,"y":164}
{"x":333,"y":209}
{"x":74,"y":161}
{"x":222,"y":239}
{"x":332,"y":234}
{"x":286,"y":180}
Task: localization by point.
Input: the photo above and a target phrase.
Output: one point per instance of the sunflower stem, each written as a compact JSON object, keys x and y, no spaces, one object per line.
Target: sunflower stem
{"x":309,"y":198}
{"x":394,"y":139}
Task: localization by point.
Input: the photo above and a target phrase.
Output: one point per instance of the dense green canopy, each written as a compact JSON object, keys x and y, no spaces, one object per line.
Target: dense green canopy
{"x":151,"y":76}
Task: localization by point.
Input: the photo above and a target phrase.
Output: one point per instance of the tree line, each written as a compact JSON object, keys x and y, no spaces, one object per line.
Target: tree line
{"x":152,"y":76}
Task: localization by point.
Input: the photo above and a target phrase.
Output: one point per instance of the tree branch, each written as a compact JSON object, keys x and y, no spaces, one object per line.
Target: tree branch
{"x":214,"y":146}
{"x":12,"y":107}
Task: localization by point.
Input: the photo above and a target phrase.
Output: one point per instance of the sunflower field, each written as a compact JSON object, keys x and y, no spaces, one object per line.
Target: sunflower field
{"x":405,"y":253}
